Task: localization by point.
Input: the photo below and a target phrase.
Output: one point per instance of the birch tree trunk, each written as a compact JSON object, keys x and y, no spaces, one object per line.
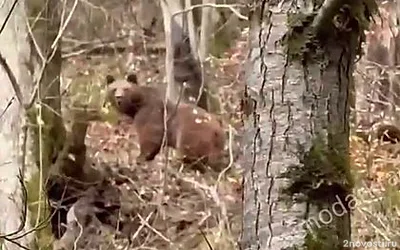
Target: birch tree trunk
{"x":15,"y":50}
{"x":297,"y":185}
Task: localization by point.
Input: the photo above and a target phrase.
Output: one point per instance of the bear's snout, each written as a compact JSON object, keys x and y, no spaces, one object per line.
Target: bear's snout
{"x":118,"y":100}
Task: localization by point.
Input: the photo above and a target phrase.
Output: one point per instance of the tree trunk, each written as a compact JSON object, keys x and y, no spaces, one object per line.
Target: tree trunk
{"x":205,"y":32}
{"x":16,"y":52}
{"x":183,"y":70}
{"x":147,"y":15}
{"x":48,"y":128}
{"x":192,"y":29}
{"x":296,"y":101}
{"x":60,"y":155}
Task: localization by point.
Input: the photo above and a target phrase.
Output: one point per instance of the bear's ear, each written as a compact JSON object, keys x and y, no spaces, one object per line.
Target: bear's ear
{"x":110,"y":79}
{"x":132,"y":78}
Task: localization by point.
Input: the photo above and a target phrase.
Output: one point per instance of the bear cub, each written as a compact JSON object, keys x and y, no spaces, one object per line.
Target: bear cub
{"x":196,"y":134}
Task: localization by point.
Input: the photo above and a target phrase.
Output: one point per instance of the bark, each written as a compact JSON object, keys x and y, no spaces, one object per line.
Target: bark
{"x":16,"y":52}
{"x":192,"y":29}
{"x":48,"y":132}
{"x":297,"y":184}
{"x":60,"y":154}
{"x":172,"y":91}
{"x":183,"y":70}
{"x":47,"y":63}
{"x":205,"y":32}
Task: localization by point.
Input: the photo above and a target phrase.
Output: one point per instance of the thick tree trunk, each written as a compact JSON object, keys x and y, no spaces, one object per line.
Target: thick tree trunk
{"x":265,"y":222}
{"x":16,"y":52}
{"x":297,"y":187}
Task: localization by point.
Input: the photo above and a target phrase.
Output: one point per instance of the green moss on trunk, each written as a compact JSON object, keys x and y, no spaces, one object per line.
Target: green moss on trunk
{"x":44,"y":117}
{"x":39,"y":218}
{"x":323,"y":177}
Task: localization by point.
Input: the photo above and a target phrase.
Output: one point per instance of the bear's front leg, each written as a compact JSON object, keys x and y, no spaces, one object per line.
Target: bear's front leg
{"x":141,"y":159}
{"x":150,"y":140}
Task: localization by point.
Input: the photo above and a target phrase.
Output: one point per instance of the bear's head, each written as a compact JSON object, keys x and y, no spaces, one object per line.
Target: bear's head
{"x":125,"y":94}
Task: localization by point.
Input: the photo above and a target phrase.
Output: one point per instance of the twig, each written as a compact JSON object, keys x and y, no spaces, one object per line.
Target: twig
{"x":228,"y":6}
{"x":133,"y":184}
{"x":16,"y":243}
{"x":206,"y":239}
{"x":153,"y":229}
{"x":12,"y":78}
{"x":364,"y":212}
{"x":8,"y":16}
{"x":7,"y":106}
{"x":61,"y":32}
{"x":40,"y":134}
{"x":24,"y":210}
{"x":230,"y":156}
{"x":141,"y":225}
{"x":79,"y":235}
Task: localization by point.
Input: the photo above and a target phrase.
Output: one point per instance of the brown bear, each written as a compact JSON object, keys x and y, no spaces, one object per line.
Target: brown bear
{"x":196,"y":134}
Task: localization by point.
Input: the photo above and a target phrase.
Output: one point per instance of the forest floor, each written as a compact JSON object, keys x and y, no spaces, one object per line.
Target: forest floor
{"x":165,"y":206}
{"x":376,"y":218}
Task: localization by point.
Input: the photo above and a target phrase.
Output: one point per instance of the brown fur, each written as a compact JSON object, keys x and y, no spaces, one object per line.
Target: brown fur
{"x":195,"y":133}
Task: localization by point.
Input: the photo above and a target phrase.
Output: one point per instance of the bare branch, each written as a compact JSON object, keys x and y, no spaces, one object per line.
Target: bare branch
{"x":12,"y":78}
{"x":8,"y":16}
{"x":229,"y":6}
{"x":61,"y":32}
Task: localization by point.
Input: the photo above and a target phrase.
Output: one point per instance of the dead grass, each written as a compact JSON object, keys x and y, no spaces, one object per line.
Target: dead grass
{"x":376,"y":217}
{"x":164,"y":208}
{"x":183,"y":209}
